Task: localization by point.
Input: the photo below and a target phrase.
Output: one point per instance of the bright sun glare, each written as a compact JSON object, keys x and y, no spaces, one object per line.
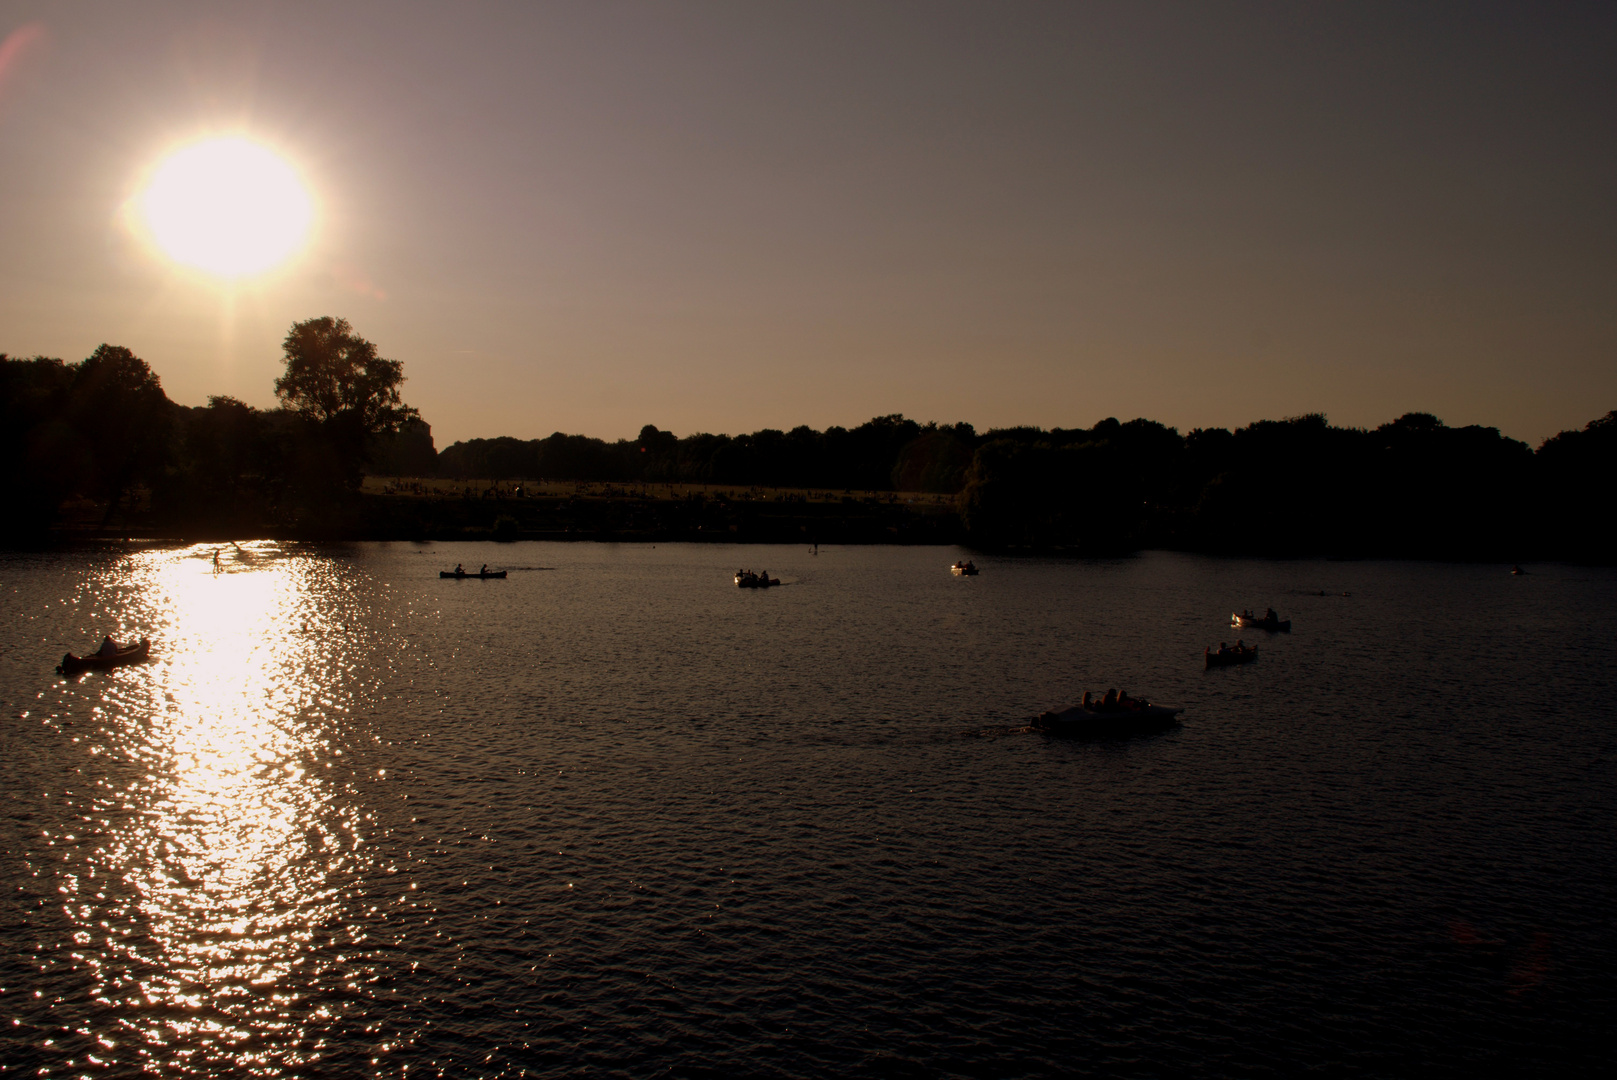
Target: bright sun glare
{"x":228,"y":206}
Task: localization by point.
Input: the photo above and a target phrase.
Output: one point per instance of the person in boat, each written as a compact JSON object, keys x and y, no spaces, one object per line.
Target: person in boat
{"x":1270,"y":616}
{"x":1240,"y":645}
{"x":484,"y":570}
{"x":1088,"y":700}
{"x":108,"y":647}
{"x":459,"y":569}
{"x":1109,"y":702}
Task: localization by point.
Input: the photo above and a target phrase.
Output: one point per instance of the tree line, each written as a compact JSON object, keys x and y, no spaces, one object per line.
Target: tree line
{"x":887,"y":453}
{"x":1411,"y":487}
{"x":102,"y":437}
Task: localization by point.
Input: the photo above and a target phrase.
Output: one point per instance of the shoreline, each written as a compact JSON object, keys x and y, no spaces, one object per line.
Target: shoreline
{"x":581,"y":512}
{"x":144,"y":542}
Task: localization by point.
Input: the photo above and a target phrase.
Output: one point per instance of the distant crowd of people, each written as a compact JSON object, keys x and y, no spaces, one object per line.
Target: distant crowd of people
{"x":467,"y":491}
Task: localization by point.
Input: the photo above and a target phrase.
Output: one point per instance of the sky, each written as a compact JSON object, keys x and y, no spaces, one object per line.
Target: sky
{"x":587,"y":217}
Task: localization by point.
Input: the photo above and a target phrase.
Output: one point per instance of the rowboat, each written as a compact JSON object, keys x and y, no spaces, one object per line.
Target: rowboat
{"x":1136,"y":720}
{"x":748,"y":580}
{"x":128,"y":654}
{"x":964,"y":569}
{"x":1231,"y":657}
{"x":486,"y":574}
{"x":1253,"y":622}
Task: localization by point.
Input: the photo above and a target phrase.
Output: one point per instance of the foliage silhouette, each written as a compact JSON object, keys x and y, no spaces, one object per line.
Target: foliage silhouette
{"x":337,"y":382}
{"x":87,"y":442}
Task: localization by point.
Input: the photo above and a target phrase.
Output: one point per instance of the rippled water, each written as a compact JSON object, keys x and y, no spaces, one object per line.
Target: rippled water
{"x":613,"y":815}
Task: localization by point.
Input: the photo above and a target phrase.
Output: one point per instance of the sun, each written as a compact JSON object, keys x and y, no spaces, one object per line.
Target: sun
{"x":228,"y":206}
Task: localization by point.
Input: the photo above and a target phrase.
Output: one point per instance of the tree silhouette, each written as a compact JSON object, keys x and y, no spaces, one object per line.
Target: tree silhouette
{"x":118,"y":406}
{"x":335,"y":380}
{"x":333,"y":375}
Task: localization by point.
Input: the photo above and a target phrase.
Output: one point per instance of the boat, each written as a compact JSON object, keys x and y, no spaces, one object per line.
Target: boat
{"x":484,"y":574}
{"x":126,"y":654}
{"x":1266,"y":622}
{"x":1517,"y":571}
{"x":746,"y":579}
{"x":964,"y":569}
{"x":1137,"y":718}
{"x":1229,"y":657}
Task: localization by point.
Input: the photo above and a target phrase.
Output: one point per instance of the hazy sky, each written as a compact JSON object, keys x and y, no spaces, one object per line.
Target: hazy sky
{"x":725,"y":216}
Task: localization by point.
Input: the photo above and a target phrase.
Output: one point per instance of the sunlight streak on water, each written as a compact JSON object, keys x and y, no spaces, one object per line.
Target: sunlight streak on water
{"x":227,"y":840}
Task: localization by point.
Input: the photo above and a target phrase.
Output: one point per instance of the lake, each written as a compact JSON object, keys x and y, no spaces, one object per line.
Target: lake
{"x":613,"y":815}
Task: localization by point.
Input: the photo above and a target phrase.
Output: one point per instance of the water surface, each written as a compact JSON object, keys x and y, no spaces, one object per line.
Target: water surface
{"x":614,"y":815}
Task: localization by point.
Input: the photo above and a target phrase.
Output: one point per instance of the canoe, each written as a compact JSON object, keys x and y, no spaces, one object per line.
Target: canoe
{"x":1096,"y":722}
{"x":452,"y":574}
{"x":1252,"y":622}
{"x":1231,"y":658}
{"x":129,"y":654}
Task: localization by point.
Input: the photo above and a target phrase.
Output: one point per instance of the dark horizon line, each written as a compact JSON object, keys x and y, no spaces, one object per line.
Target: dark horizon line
{"x":1021,"y":429}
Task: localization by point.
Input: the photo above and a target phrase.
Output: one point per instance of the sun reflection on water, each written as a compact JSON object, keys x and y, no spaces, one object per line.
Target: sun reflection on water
{"x":212,"y":900}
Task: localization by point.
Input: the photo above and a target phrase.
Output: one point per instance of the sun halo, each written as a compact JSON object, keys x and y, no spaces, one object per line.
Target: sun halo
{"x":228,"y":206}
